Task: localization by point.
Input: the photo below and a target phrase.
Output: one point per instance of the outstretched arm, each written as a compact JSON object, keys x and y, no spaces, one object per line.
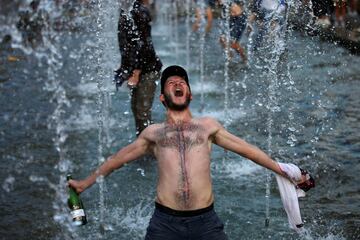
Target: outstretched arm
{"x":235,"y":144}
{"x":125,"y":155}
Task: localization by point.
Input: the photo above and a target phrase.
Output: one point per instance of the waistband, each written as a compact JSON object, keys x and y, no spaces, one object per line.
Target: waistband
{"x":186,"y":213}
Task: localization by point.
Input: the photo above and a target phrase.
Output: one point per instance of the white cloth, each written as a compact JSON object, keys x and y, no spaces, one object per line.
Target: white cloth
{"x":289,"y":194}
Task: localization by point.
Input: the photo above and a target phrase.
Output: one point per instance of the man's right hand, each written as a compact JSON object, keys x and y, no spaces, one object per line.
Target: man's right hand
{"x":134,"y":79}
{"x":79,"y":186}
{"x":307,"y":181}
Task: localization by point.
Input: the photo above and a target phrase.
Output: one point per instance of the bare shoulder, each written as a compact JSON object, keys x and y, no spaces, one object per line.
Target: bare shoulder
{"x":207,"y":120}
{"x":209,"y":123}
{"x":151,"y":131}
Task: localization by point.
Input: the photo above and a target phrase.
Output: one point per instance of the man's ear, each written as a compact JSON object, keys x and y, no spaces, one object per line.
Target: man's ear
{"x":162,"y":99}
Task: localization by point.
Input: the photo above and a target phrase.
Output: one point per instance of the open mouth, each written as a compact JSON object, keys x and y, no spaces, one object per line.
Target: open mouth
{"x":179,"y":93}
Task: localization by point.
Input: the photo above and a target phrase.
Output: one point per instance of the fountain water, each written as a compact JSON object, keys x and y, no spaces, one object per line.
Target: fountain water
{"x":49,"y":50}
{"x":188,"y":32}
{"x":226,"y":26}
{"x":201,"y":6}
{"x":273,"y":44}
{"x":106,"y":47}
{"x":176,"y":28}
{"x":100,"y":21}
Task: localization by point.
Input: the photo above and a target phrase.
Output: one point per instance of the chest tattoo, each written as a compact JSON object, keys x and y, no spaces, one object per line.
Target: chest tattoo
{"x":181,"y":138}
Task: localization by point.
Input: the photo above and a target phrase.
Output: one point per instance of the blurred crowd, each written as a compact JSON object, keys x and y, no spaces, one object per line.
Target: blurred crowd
{"x":334,"y":12}
{"x":327,"y":12}
{"x":262,"y":17}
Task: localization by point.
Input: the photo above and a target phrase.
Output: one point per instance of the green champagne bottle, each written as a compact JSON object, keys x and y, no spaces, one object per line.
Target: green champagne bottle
{"x":76,"y":206}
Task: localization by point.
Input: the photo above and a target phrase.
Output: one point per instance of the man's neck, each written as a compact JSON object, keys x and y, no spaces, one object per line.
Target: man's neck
{"x":175,"y":117}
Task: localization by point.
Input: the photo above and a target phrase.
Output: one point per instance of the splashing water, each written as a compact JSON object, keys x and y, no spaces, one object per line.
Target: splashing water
{"x":227,"y":61}
{"x":202,"y":48}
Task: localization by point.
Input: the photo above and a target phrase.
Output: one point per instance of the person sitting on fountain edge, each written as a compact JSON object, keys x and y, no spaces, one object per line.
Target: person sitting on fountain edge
{"x":182,"y":147}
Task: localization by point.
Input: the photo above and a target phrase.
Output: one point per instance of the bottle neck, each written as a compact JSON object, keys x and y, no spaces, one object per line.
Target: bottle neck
{"x":68,"y":177}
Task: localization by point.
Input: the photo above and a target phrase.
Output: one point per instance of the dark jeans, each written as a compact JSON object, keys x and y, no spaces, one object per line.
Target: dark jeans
{"x":142,"y":98}
{"x":204,"y":226}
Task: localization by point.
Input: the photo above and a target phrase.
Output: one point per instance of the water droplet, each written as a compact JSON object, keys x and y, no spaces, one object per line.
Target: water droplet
{"x":100,"y":179}
{"x":8,"y":184}
{"x":34,"y":178}
{"x":142,"y":171}
{"x":292,"y":129}
{"x":64,"y":165}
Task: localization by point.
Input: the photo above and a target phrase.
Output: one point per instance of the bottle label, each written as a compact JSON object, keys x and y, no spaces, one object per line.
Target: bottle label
{"x":78,"y":213}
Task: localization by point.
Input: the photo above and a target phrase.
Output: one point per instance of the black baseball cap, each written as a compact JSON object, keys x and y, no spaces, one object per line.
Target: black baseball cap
{"x":173,"y":70}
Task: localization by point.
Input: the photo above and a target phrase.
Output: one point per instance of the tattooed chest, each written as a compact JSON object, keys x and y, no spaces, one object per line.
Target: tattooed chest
{"x":182,"y":138}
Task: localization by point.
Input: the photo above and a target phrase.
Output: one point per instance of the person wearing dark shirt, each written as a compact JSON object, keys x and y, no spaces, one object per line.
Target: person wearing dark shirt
{"x":127,"y":37}
{"x":140,"y":66}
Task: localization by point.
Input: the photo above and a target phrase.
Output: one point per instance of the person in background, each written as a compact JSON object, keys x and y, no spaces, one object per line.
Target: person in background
{"x":322,"y":10}
{"x":31,"y":24}
{"x":353,"y":8}
{"x":340,"y":13}
{"x":209,"y":8}
{"x":127,"y":40}
{"x":140,"y":65}
{"x":237,"y":24}
{"x":184,"y":205}
{"x":269,"y":15}
{"x":6,"y":42}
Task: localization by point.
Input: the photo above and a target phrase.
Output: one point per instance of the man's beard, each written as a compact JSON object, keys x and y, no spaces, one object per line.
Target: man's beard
{"x":176,"y":107}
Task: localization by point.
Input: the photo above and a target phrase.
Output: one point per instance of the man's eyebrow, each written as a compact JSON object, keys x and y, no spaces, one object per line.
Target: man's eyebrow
{"x":172,"y":80}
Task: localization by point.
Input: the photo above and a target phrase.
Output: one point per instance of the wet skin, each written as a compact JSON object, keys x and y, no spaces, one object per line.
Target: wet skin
{"x":182,"y":147}
{"x":183,"y":154}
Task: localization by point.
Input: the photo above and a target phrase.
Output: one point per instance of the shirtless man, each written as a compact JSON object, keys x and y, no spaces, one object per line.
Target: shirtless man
{"x":182,"y":147}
